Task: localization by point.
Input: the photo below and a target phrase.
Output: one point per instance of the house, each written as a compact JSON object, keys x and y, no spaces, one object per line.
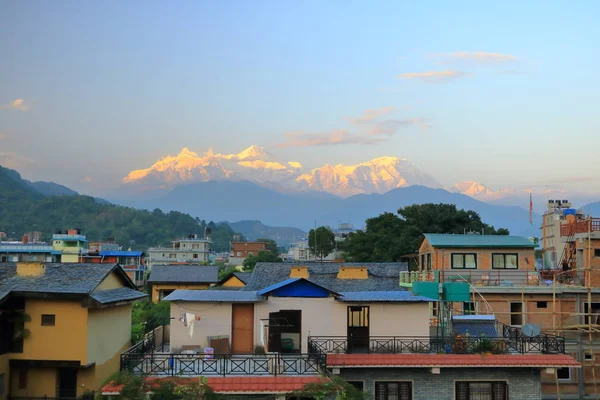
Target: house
{"x":241,"y":250}
{"x":235,"y":279}
{"x":131,"y":261}
{"x":167,"y":278}
{"x":25,"y":251}
{"x":291,"y":324}
{"x":191,"y":250}
{"x":62,"y":327}
{"x":69,"y":246}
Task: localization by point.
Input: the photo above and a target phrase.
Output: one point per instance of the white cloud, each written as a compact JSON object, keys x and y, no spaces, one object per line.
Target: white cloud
{"x":391,"y":126}
{"x":14,"y":160}
{"x":17,"y":104}
{"x":87,"y":179}
{"x":435,"y":76}
{"x":371,"y":115}
{"x":294,"y":164}
{"x":480,"y":57}
{"x":336,"y":137}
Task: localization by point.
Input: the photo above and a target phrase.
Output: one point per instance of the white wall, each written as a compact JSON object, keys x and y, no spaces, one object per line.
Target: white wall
{"x":108,"y":330}
{"x":320,"y":317}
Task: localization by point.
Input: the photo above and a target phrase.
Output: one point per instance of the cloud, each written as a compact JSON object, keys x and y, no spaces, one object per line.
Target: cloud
{"x":18,"y":105}
{"x":294,"y":164}
{"x":14,"y":160}
{"x":336,"y":137}
{"x":391,"y":126}
{"x":435,"y":76}
{"x":371,"y":115}
{"x":479,"y":57}
{"x":87,"y":179}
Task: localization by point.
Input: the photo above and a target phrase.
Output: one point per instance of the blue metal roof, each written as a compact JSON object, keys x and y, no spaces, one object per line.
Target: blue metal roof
{"x":290,"y":281}
{"x":478,"y":241}
{"x":226,"y":296}
{"x":385,"y":296}
{"x":119,"y":253}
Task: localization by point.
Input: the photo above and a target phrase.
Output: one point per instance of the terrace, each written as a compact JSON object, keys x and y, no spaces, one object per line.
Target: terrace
{"x":151,"y":357}
{"x":589,"y":225}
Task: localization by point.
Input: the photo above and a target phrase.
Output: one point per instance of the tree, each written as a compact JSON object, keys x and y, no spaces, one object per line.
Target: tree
{"x":271,"y":245}
{"x":388,"y":237}
{"x":146,"y":316}
{"x":262,"y":256}
{"x":334,"y":388}
{"x":322,"y":243}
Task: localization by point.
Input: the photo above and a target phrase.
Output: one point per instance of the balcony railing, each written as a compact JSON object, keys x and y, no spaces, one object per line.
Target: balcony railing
{"x":512,"y":343}
{"x":585,"y":226}
{"x":270,"y":364}
{"x":492,"y":277}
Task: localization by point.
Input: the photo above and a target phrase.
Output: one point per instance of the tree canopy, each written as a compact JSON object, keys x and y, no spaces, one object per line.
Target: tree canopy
{"x":262,"y":256}
{"x":271,"y":245}
{"x":390,"y":236}
{"x":322,"y":243}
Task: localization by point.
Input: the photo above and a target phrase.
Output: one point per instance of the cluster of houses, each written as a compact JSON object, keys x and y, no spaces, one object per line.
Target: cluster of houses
{"x":477,"y":320}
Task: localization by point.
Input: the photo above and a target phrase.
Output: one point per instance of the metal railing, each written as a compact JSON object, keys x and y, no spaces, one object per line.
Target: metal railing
{"x":584,"y":226}
{"x":493,"y":277}
{"x":513,"y":342}
{"x":270,"y":364}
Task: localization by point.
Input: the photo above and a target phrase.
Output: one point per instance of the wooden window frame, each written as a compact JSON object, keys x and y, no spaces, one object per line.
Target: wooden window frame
{"x":491,"y":382}
{"x":400,"y":382}
{"x":48,"y":320}
{"x":464,"y":263}
{"x":504,"y":258}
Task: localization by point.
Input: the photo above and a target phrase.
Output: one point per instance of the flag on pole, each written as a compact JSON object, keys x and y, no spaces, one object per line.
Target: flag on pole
{"x":530,"y":210}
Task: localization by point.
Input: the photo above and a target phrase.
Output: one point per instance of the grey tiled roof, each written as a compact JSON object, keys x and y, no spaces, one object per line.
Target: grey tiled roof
{"x":243,"y":276}
{"x":72,"y":278}
{"x":184,"y":274}
{"x":228,"y":296}
{"x":114,"y":295}
{"x":382,"y":276}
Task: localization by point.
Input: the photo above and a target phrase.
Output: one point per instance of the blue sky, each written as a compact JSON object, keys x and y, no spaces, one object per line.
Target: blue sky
{"x":505,"y":94}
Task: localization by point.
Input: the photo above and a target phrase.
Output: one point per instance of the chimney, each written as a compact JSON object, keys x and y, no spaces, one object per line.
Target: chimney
{"x":299,"y":272}
{"x":25,"y":239}
{"x":72,"y":232}
{"x":353,"y":273}
{"x":30,"y":269}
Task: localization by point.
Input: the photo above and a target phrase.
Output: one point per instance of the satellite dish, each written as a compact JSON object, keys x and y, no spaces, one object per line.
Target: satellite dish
{"x":531,"y":330}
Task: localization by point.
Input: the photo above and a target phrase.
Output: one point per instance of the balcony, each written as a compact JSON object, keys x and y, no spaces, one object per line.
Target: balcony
{"x":493,"y":277}
{"x":589,"y":225}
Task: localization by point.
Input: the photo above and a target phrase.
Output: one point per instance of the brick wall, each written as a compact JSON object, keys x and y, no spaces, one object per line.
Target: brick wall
{"x":523,"y":383}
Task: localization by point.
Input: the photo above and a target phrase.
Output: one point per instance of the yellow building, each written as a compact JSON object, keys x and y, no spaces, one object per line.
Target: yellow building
{"x":235,"y":280}
{"x":68,"y":247}
{"x":167,"y":278}
{"x":62,"y":327}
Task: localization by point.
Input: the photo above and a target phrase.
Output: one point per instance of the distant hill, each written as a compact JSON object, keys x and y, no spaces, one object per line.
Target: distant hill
{"x":23,"y":208}
{"x":51,"y":188}
{"x":253,"y":230}
{"x":243,"y":200}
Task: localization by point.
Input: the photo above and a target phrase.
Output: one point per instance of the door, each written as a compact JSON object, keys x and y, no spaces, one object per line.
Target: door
{"x":242,"y":328}
{"x":67,"y":383}
{"x":275,"y":320}
{"x":358,"y":329}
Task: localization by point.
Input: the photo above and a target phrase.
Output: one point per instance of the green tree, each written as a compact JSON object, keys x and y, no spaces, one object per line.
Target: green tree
{"x":388,"y":237}
{"x":262,"y":256}
{"x":146,"y":316}
{"x":322,"y":242}
{"x":334,"y":388}
{"x":271,"y":245}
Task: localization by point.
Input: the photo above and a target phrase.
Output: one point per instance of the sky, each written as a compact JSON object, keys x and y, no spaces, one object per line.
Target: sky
{"x":505,"y":94}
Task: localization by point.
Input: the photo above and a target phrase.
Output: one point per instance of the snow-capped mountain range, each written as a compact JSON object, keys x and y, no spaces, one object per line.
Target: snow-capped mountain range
{"x":255,"y":164}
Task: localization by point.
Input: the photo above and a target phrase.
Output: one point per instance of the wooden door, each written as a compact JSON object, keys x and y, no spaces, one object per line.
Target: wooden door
{"x":242,"y":328}
{"x":358,"y":329}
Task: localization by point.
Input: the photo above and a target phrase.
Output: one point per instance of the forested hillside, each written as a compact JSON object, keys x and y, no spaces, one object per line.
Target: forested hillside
{"x":24,"y":209}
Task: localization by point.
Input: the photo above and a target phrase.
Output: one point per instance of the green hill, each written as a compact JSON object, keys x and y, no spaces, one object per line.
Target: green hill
{"x":23,"y":209}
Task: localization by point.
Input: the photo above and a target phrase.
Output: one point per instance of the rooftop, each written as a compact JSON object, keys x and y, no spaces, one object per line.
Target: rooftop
{"x":184,"y":274}
{"x":228,"y":296}
{"x":478,"y":241}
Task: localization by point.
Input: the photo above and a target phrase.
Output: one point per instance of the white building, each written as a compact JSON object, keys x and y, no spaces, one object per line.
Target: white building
{"x":558,"y":212}
{"x":192,"y":250}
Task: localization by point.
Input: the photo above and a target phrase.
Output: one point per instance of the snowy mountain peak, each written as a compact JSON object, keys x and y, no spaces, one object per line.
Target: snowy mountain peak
{"x":473,"y":189}
{"x":253,"y":152}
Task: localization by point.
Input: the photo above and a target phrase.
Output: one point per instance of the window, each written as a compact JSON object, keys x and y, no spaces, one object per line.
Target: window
{"x":48,"y":319}
{"x":516,"y":314}
{"x":195,"y":255}
{"x":588,"y":357}
{"x":172,"y":255}
{"x":393,"y":390}
{"x":139,"y":276}
{"x":469,"y":308}
{"x":435,"y":309}
{"x":195,"y":245}
{"x":563,"y":374}
{"x":542,"y":304}
{"x":23,"y":378}
{"x":360,"y":385}
{"x":596,"y":252}
{"x":594,"y":318}
{"x":358,"y":316}
{"x":505,"y":261}
{"x":481,"y":391}
{"x":463,"y":260}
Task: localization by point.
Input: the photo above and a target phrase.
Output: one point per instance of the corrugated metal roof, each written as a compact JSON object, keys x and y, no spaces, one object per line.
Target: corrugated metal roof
{"x":481,"y":241}
{"x":118,"y":253}
{"x":226,"y":296}
{"x":278,"y":285}
{"x":385,"y":296}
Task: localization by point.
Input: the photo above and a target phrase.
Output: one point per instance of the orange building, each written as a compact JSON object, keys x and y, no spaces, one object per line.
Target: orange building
{"x":241,"y":250}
